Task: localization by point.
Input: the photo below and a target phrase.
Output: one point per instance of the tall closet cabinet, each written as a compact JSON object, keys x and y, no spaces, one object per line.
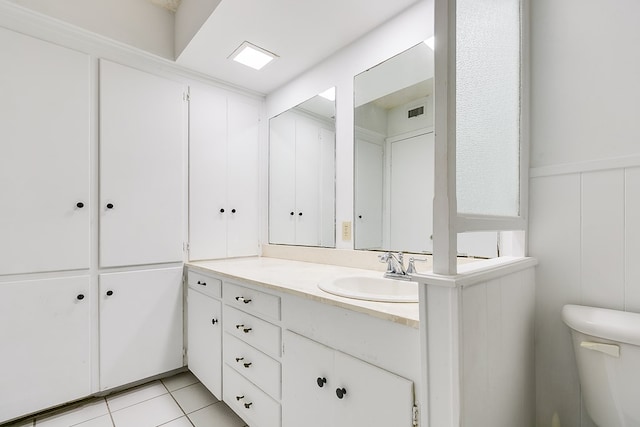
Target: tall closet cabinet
{"x":94,"y":214}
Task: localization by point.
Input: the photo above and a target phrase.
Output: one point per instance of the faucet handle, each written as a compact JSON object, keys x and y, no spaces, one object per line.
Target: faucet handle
{"x":411,"y":269}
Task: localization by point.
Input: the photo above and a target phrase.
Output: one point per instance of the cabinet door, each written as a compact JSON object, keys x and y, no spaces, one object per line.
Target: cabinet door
{"x":204,"y":332}
{"x":207,"y":173}
{"x":307,"y":182}
{"x":308,"y":383}
{"x":368,"y":195}
{"x":140,"y":325}
{"x":327,"y":188}
{"x":373,"y":397}
{"x":45,"y":331}
{"x":142,"y":147}
{"x":242,"y":178}
{"x":45,"y":107}
{"x":282,"y":179}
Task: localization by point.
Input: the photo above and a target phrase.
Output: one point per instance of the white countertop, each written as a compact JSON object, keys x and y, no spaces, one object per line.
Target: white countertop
{"x":302,"y":278}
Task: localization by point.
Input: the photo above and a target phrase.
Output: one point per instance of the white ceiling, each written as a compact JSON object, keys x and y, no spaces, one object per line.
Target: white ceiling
{"x":301,"y":32}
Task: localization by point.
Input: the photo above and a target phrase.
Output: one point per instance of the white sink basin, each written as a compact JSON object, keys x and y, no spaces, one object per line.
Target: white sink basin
{"x":372,"y":289}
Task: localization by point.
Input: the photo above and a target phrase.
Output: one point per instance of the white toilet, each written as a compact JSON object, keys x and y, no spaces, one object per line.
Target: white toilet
{"x":607,"y":348}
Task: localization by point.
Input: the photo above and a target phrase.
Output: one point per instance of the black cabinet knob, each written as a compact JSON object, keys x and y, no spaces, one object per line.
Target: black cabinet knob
{"x":321,"y":382}
{"x":109,"y":293}
{"x":233,"y":211}
{"x":109,"y":205}
{"x":340,"y":392}
{"x":79,"y":205}
{"x":292,"y":213}
{"x":221,"y":210}
{"x":80,"y":297}
{"x":214,"y":321}
{"x":300,"y":214}
{"x":360,"y":216}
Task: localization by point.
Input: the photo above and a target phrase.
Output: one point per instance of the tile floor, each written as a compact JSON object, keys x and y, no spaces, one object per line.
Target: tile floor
{"x":178,"y":401}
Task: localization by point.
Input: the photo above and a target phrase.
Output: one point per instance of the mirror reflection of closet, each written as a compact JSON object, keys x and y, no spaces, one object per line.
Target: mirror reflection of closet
{"x":302,"y":174}
{"x":394,"y":153}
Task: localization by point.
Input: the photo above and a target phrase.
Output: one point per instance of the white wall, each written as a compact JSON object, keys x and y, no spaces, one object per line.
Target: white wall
{"x":406,"y":30}
{"x":135,"y":22}
{"x":585,"y":180}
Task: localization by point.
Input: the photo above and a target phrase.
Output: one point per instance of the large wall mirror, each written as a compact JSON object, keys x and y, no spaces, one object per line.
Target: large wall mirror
{"x":302,"y":173}
{"x":394,"y":153}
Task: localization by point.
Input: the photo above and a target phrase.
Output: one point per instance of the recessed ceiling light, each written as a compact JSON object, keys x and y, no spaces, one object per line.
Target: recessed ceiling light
{"x":329,"y":94}
{"x":252,"y":56}
{"x":431,"y":42}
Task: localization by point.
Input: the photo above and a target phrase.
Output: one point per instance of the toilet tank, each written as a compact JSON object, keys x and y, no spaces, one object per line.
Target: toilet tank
{"x":607,"y":350}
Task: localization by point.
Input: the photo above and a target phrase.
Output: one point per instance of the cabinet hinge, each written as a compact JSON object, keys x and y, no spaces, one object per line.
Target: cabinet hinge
{"x":186,"y":96}
{"x":415,"y":415}
{"x":185,"y":247}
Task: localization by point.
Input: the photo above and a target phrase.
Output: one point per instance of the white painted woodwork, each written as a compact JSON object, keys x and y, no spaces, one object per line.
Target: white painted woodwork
{"x":368,"y":195}
{"x":44,"y":156}
{"x":253,"y":330}
{"x":204,"y":340}
{"x":248,"y":401}
{"x":141,"y":332}
{"x":411,"y":219}
{"x":252,"y":300}
{"x":254,"y":365}
{"x":632,"y":245}
{"x":304,"y":402}
{"x":45,"y":332}
{"x":205,"y":284}
{"x":142,"y":144}
{"x":223,"y":174}
{"x":374,"y":397}
{"x":301,"y":181}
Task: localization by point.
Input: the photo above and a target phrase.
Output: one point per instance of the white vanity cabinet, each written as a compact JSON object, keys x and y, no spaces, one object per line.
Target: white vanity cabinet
{"x":223,"y":174}
{"x":204,"y":330}
{"x":143,"y":134}
{"x":325,"y":387}
{"x":45,"y":331}
{"x":252,"y":345}
{"x":44,"y":156}
{"x":141,"y":318}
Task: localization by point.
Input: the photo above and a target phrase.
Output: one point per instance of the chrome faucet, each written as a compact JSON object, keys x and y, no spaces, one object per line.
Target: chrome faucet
{"x":395,"y":266}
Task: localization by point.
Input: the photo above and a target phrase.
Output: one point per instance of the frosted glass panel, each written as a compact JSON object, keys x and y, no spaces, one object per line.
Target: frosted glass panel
{"x":488,"y":107}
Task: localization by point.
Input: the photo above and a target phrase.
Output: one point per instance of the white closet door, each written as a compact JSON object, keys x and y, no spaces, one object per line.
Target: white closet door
{"x":142,"y":140}
{"x":45,"y":331}
{"x":368,"y":195}
{"x":411,"y":198}
{"x":327,"y":188}
{"x":242,"y":177}
{"x":45,"y":105}
{"x":282,"y":179}
{"x":207,"y":173}
{"x":141,"y":325}
{"x":307,"y":183}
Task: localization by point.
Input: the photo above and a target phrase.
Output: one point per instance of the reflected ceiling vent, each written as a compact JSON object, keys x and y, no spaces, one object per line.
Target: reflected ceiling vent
{"x":416,"y":112}
{"x":170,"y":5}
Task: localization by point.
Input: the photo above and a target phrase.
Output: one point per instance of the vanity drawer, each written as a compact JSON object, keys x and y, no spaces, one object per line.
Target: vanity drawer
{"x":261,"y":369}
{"x":205,"y":284}
{"x":248,"y":401}
{"x":257,"y":332}
{"x":252,"y":300}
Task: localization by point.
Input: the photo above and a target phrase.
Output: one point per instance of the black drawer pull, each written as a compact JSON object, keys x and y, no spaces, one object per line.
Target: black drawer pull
{"x":243,"y":299}
{"x":239,"y":397}
{"x":214,"y":321}
{"x":248,"y":405}
{"x":246,"y":365}
{"x":202,"y":283}
{"x":321,"y":382}
{"x":340,"y":392}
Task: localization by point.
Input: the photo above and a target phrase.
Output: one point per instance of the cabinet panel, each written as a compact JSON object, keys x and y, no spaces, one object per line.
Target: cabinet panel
{"x":242,"y":225}
{"x":204,"y":328}
{"x":142,"y":145}
{"x":307,"y":183}
{"x":374,"y":397}
{"x":282,"y":180}
{"x":205,"y":284}
{"x":259,"y":368}
{"x":252,"y":301}
{"x":207,"y":173}
{"x":44,"y":156}
{"x":45,"y":330}
{"x":140,"y":325}
{"x":248,"y":401}
{"x":257,"y":332}
{"x":304,"y":402}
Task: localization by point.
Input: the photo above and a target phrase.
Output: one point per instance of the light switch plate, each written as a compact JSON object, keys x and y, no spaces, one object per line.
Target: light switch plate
{"x":346,"y":231}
